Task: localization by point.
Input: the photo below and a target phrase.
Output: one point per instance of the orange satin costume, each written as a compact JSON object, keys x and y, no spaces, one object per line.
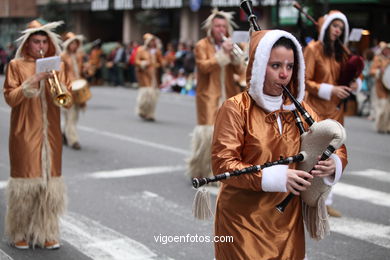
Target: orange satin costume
{"x":70,"y":61}
{"x":321,"y":69}
{"x":380,"y":63}
{"x":210,"y":81}
{"x":36,"y":191}
{"x":245,"y":134}
{"x":149,"y":75}
{"x":28,"y":124}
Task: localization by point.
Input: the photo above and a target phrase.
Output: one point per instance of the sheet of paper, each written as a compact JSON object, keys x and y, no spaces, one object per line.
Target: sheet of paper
{"x":356,"y":35}
{"x":48,"y":64}
{"x":240,"y":36}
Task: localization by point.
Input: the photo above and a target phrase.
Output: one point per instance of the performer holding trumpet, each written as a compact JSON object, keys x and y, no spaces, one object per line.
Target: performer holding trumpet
{"x":216,"y":63}
{"x":35,"y":192}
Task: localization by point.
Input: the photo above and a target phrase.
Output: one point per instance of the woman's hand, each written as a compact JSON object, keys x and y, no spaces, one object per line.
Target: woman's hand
{"x":296,"y":181}
{"x":324,"y":168}
{"x":38,"y":77}
{"x":341,"y":91}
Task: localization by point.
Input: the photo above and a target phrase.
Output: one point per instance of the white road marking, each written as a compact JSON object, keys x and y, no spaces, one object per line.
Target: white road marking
{"x":369,"y":232}
{"x":153,"y":203}
{"x":4,"y":256}
{"x":131,"y":172}
{"x":134,"y":140}
{"x":100,"y":242}
{"x":3,"y":184}
{"x":372,"y":174}
{"x":5,"y":109}
{"x":362,"y":194}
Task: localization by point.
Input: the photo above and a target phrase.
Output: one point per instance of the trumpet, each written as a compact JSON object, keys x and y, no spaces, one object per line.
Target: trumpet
{"x":237,"y":51}
{"x":60,"y":95}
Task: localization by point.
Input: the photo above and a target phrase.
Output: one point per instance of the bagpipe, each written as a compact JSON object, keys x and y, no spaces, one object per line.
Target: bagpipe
{"x":351,"y":69}
{"x":320,"y":139}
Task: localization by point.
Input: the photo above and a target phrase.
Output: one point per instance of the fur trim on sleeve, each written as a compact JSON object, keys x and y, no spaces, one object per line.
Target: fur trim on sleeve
{"x":274,"y":178}
{"x":325,"y":91}
{"x":28,"y":90}
{"x":332,"y":180}
{"x":223,"y":59}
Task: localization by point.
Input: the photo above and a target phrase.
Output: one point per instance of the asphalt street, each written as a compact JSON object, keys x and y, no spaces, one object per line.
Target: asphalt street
{"x":129,"y":195}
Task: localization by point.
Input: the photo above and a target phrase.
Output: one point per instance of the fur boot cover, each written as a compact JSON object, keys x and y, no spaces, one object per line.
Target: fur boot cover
{"x":147,"y":101}
{"x":33,"y":209}
{"x":199,"y":163}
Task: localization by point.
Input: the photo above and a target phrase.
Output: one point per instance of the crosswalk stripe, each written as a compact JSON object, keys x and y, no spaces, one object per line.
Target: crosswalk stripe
{"x":372,"y":174}
{"x":370,"y":232}
{"x":4,"y":256}
{"x":100,"y":242}
{"x":362,"y":194}
{"x":131,"y":172}
{"x":134,"y":140}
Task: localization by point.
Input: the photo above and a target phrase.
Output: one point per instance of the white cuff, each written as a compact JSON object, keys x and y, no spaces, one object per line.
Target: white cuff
{"x":223,"y":59}
{"x":274,"y":178}
{"x":144,"y":64}
{"x":325,"y":91}
{"x":332,"y":180}
{"x":359,"y":83}
{"x":28,"y":90}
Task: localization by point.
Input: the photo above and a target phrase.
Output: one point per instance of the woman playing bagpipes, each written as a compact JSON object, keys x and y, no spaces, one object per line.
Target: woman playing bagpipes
{"x":255,"y":127}
{"x":324,"y":59}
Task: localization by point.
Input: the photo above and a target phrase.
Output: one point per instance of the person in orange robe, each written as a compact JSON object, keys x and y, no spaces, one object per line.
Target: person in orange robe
{"x":382,"y":104}
{"x":255,"y":127}
{"x":36,"y":190}
{"x":324,"y":59}
{"x":73,"y":61}
{"x":148,"y":63}
{"x":216,"y":67}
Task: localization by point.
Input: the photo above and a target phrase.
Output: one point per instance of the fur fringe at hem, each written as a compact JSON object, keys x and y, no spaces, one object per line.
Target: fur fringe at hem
{"x":33,"y":209}
{"x":199,"y":163}
{"x":147,"y":101}
{"x":382,"y":119}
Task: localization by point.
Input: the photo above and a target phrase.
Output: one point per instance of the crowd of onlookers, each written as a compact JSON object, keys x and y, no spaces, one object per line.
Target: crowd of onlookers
{"x":6,"y":54}
{"x":117,"y":66}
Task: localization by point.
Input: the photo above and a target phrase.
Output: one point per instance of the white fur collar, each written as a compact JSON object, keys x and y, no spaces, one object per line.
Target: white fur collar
{"x":261,"y":57}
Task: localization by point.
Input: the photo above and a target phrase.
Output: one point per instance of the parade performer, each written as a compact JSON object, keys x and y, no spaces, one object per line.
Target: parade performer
{"x":73,"y":61}
{"x":255,"y":127}
{"x":216,"y":66}
{"x":324,"y":59}
{"x":36,"y":190}
{"x":148,"y":62}
{"x":382,"y":105}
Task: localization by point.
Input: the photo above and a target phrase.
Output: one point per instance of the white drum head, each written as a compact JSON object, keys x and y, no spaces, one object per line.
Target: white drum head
{"x":386,"y":77}
{"x":78,"y":84}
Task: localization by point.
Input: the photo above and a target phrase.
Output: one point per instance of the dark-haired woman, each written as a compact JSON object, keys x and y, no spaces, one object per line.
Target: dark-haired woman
{"x":255,"y":127}
{"x":324,"y":59}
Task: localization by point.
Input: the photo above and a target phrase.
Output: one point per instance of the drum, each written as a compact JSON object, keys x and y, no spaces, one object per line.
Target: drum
{"x":80,"y":91}
{"x":386,"y":77}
